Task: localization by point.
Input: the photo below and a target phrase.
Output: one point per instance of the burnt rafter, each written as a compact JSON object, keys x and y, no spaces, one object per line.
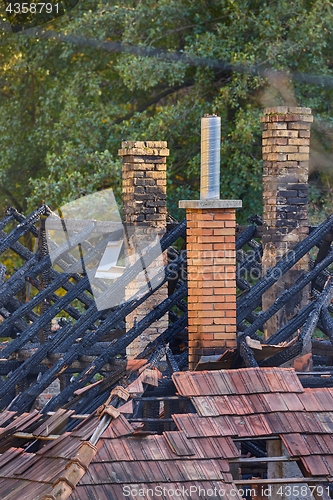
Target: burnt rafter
{"x":86,"y":341}
{"x":252,"y":299}
{"x":307,"y":330}
{"x":80,"y":336}
{"x":287,"y":294}
{"x":114,"y":349}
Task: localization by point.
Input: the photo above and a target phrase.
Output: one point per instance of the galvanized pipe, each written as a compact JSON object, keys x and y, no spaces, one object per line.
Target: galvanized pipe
{"x":210,"y":157}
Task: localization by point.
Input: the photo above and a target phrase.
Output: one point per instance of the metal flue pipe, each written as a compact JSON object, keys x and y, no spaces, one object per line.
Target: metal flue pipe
{"x":210,"y":157}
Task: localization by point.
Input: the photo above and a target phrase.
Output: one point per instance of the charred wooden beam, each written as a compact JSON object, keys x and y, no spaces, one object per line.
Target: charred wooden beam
{"x":165,"y":337}
{"x":14,"y":283}
{"x":247,"y":355}
{"x":28,"y":222}
{"x":118,"y":346}
{"x":327,"y":323}
{"x":27,"y":255}
{"x":306,"y":332}
{"x":245,"y":237}
{"x":79,"y":329}
{"x":45,"y":279}
{"x":249,"y":260}
{"x":316,"y":382}
{"x":286,"y":295}
{"x":322,"y":348}
{"x":70,"y":310}
{"x":286,"y":331}
{"x":253,"y":298}
{"x":6,"y":220}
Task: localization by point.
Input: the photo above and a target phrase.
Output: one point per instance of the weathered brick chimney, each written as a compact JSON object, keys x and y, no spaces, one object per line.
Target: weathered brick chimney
{"x":286,"y":147}
{"x":211,"y":255}
{"x":144,"y":206}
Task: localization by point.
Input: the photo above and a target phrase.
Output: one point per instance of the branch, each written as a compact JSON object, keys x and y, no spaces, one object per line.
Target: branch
{"x":17,"y":204}
{"x":153,"y":100}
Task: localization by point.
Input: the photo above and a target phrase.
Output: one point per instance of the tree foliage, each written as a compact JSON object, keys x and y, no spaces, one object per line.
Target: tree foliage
{"x":67,"y":103}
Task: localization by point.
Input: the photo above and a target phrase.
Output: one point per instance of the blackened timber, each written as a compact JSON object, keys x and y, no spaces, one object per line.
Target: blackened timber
{"x":249,"y":260}
{"x":6,"y":220}
{"x":89,"y":402}
{"x":76,"y":349}
{"x":8,"y":366}
{"x":18,"y":248}
{"x":243,"y":285}
{"x":319,"y":360}
{"x":45,"y":279}
{"x":96,"y":396}
{"x":286,"y":331}
{"x":87,"y":357}
{"x":165,"y":337}
{"x":13,"y":304}
{"x":42,"y":320}
{"x":117,"y":347}
{"x":322,"y":348}
{"x":320,"y":280}
{"x":172,"y":363}
{"x":327,"y":323}
{"x":68,"y":258}
{"x":17,"y":327}
{"x":92,"y":401}
{"x":242,"y":327}
{"x":27,"y":255}
{"x":255,"y":219}
{"x":323,"y":251}
{"x":21,"y":229}
{"x":247,"y":355}
{"x":142,"y":408}
{"x":17,"y":280}
{"x":306,"y":332}
{"x":313,"y":382}
{"x":245,"y":236}
{"x":287,"y":294}
{"x":77,"y":289}
{"x":122,"y":311}
{"x":21,"y":218}
{"x":70,"y":310}
{"x":253,"y":297}
{"x":116,"y":289}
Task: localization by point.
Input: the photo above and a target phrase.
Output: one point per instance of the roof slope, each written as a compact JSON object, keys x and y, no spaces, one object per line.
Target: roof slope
{"x":247,"y":403}
{"x":259,"y":402}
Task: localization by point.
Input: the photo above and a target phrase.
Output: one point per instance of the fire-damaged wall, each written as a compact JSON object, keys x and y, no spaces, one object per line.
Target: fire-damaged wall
{"x":286,"y":147}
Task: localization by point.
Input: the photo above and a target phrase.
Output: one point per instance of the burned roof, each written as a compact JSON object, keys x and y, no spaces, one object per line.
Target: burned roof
{"x":35,"y":353}
{"x":88,"y":341}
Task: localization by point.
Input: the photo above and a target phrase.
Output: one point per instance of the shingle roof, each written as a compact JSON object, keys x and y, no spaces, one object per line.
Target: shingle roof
{"x":259,"y":402}
{"x":170,"y":461}
{"x":242,"y":403}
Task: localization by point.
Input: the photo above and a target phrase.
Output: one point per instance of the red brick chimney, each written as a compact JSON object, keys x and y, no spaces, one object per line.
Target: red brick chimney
{"x":211,"y":255}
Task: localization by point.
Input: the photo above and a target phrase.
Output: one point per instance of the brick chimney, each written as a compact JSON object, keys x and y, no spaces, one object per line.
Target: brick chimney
{"x":144,"y":206}
{"x":286,"y":147}
{"x":211,"y":255}
{"x":211,"y":268}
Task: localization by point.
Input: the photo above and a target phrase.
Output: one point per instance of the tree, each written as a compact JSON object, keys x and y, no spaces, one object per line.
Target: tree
{"x":149,"y":70}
